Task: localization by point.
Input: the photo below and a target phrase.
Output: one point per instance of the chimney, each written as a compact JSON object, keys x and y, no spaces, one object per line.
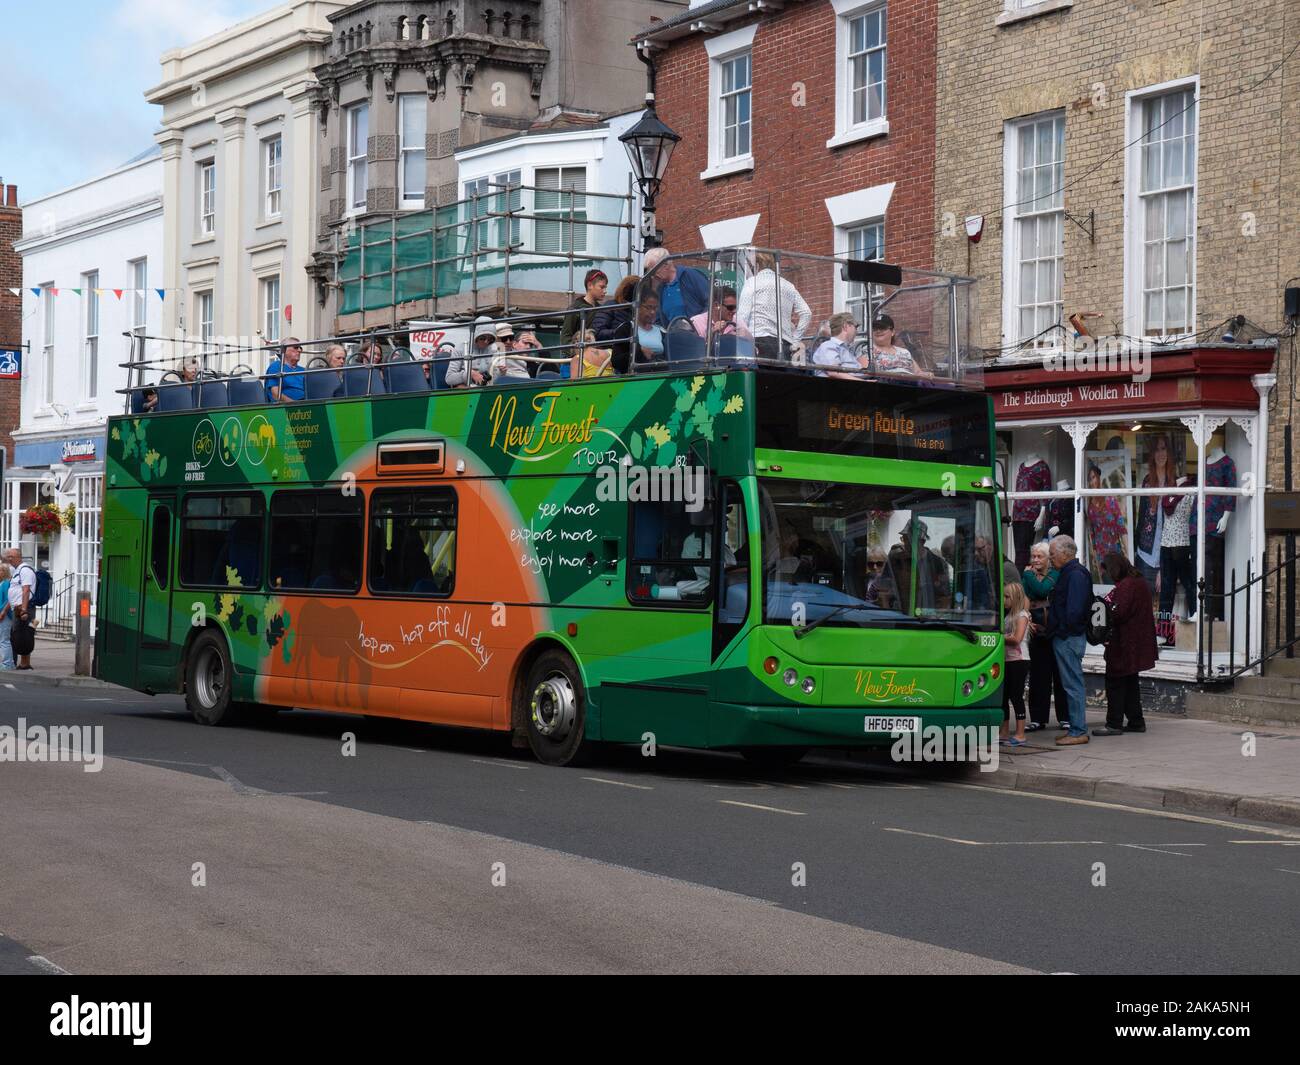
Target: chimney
{"x":11,"y":195}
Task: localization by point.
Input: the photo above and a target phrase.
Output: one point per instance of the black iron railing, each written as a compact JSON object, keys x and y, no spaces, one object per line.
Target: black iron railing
{"x":1279,"y":578}
{"x":59,"y":615}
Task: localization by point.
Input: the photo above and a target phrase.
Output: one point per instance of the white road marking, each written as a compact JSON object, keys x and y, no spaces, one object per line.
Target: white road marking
{"x":769,"y":809}
{"x":1004,"y":843}
{"x":504,"y":765}
{"x":11,"y":687}
{"x":47,"y":966}
{"x":1295,"y":871}
{"x":1153,"y":850}
{"x":620,"y":783}
{"x":1171,"y":814}
{"x":1274,"y":842}
{"x":236,"y":785}
{"x":98,"y":699}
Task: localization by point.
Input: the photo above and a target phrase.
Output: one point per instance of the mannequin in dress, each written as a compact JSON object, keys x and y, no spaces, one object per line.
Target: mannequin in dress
{"x":1177,"y":561}
{"x":1029,"y":515}
{"x":1220,"y":472}
{"x":1060,"y":512}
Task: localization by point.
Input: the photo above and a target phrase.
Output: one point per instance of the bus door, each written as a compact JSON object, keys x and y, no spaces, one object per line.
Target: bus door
{"x":734,"y":569}
{"x":156,"y":588}
{"x":116,"y":635}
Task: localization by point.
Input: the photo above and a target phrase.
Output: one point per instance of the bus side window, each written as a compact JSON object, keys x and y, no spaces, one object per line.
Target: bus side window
{"x":160,"y":542}
{"x":671,"y":553}
{"x":413,"y":541}
{"x":316,"y":541}
{"x":221,"y":540}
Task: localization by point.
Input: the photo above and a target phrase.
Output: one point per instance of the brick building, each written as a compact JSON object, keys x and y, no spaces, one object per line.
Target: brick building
{"x":806,"y":126}
{"x":11,"y":310}
{"x":1131,"y":162}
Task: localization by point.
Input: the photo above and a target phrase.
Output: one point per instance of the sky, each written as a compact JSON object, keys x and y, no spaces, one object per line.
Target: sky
{"x":73,"y":80}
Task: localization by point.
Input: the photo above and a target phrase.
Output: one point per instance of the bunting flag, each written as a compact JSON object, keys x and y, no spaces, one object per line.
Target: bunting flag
{"x":160,"y":292}
{"x":55,"y":291}
{"x":99,"y":292}
{"x":16,"y":291}
{"x":36,"y":292}
{"x":118,"y":292}
{"x":76,"y":290}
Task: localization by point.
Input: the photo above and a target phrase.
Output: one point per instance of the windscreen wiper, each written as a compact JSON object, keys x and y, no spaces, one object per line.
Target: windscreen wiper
{"x":968,"y":631}
{"x":804,"y":630}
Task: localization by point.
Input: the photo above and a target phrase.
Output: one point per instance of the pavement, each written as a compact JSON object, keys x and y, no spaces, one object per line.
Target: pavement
{"x":1193,"y":766}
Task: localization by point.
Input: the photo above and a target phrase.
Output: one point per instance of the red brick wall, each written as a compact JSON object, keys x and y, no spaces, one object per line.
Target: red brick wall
{"x":794,"y":171}
{"x":11,"y":308}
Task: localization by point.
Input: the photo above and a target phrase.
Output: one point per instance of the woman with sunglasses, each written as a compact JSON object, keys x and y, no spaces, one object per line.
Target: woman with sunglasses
{"x":889,"y":356}
{"x":724,"y":315}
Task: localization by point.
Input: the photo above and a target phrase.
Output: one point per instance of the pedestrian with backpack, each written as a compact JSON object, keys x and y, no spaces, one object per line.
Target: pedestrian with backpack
{"x":1068,"y":613}
{"x":22,"y":590}
{"x":6,"y":619}
{"x":1131,"y":647}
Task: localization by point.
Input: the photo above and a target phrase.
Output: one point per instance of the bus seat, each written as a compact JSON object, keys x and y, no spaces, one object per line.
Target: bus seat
{"x":213,"y":394}
{"x":326,"y":582}
{"x":406,"y":376}
{"x":680,"y":346}
{"x":440,"y":371}
{"x":175,"y":397}
{"x":426,"y":586}
{"x":356,"y":381}
{"x":137,"y":400}
{"x":246,"y":391}
{"x":547,"y":375}
{"x":322,"y":384}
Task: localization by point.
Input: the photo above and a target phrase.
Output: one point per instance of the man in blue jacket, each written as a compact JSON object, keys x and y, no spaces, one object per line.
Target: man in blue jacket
{"x":683,"y":291}
{"x":1067,"y":624}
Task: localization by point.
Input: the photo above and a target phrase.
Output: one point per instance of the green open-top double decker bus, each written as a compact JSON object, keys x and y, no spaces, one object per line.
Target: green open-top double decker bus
{"x":726,"y":553}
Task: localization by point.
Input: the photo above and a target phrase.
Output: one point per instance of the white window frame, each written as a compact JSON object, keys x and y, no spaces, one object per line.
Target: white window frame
{"x":1015,"y":213}
{"x":846,"y":131}
{"x":268,"y":284}
{"x":1134,"y":211}
{"x":581,"y":239}
{"x":139,"y":295}
{"x":411,"y":199}
{"x":203,"y":315}
{"x":723,"y":47}
{"x":851,"y":294}
{"x":854,"y":210}
{"x":356,"y":158}
{"x":49,"y":319}
{"x":272,"y":176}
{"x":89,"y":335}
{"x":207,"y":197}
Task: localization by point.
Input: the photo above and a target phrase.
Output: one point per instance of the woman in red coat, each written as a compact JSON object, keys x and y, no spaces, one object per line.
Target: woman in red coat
{"x":1131,"y":648}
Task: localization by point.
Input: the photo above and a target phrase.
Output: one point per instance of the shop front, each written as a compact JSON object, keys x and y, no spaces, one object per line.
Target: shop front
{"x":63,"y":475}
{"x":1165,"y":467}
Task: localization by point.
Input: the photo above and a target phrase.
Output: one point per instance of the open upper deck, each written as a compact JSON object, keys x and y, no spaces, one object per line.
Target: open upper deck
{"x":701,"y":312}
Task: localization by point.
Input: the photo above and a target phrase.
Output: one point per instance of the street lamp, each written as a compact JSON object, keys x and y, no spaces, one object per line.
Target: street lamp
{"x":649,"y":145}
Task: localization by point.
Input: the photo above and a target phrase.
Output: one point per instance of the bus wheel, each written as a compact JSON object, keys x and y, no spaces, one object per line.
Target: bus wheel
{"x":773,"y":757}
{"x":208,"y":680}
{"x":556,"y":711}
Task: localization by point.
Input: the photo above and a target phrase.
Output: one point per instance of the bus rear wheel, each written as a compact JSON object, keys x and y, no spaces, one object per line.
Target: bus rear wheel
{"x":773,"y":757}
{"x":555,"y":710}
{"x":209,"y":681}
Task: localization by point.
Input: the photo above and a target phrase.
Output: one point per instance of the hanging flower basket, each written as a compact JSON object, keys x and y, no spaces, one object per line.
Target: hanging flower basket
{"x":42,"y":520}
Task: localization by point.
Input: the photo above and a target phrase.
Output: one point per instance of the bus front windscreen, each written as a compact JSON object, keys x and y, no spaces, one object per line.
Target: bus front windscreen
{"x":867,"y":556}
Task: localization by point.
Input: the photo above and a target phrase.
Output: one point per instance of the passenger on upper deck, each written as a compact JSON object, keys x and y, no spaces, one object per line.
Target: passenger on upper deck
{"x":838,"y":352}
{"x":613,"y":325}
{"x":649,"y":334}
{"x":284,"y":380}
{"x":683,"y":292}
{"x":770,"y":310}
{"x":582,"y":314}
{"x":724,"y":315}
{"x":371,"y":351}
{"x":591,"y":360}
{"x":462,"y":373}
{"x":504,"y":367}
{"x":889,"y":356}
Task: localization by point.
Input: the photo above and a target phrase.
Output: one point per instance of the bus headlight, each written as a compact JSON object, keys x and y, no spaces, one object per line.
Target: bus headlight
{"x":983,"y":681}
{"x":809,"y":685}
{"x":769,"y":665}
{"x":967,"y":687}
{"x":995,"y":671}
{"x":791,"y":677}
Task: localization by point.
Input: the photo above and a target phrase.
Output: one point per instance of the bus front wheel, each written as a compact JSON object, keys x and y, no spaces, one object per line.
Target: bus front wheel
{"x":556,"y":711}
{"x":208,"y":681}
